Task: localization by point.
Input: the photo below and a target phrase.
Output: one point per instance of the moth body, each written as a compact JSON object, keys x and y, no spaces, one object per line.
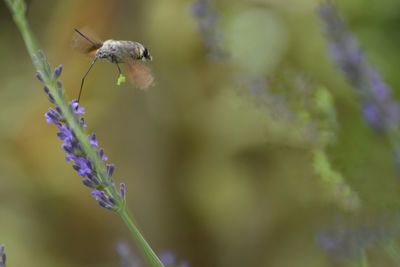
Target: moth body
{"x":121,"y":51}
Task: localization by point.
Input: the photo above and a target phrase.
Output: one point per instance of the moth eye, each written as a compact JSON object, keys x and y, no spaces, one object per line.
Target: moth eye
{"x":146,"y":54}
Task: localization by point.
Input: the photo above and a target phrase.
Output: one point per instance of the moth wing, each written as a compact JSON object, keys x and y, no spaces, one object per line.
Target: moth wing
{"x":85,"y":41}
{"x":139,"y":74}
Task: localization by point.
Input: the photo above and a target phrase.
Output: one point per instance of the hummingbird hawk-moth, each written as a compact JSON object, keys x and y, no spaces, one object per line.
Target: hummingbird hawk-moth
{"x":117,"y":51}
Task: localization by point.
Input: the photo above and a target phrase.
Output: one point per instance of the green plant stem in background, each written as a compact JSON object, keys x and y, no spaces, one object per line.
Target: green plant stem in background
{"x":339,"y":190}
{"x":362,"y":261}
{"x":18,"y":10}
{"x":394,"y":252}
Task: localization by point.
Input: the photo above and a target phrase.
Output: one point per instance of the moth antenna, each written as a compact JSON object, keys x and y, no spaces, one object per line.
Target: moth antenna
{"x":84,"y":36}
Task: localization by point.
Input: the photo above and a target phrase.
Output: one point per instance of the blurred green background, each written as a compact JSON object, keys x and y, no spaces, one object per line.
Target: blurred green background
{"x":216,"y":173}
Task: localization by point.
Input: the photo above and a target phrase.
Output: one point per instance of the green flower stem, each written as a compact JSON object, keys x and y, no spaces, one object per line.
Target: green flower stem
{"x":364,"y":259}
{"x":139,"y":239}
{"x":18,"y":10}
{"x":394,"y":252}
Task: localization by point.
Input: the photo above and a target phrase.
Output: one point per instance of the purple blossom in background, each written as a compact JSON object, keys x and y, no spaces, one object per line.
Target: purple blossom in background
{"x":129,"y":259}
{"x":346,"y":244}
{"x":262,"y":97}
{"x":379,"y":108}
{"x":101,"y":182}
{"x":207,"y":22}
{"x":170,"y":260}
{"x":2,"y":256}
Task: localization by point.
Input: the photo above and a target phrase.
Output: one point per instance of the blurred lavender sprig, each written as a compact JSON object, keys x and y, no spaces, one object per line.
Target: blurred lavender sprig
{"x":207,"y":20}
{"x":170,"y":260}
{"x":96,"y":174}
{"x":259,"y":89}
{"x":2,"y":256}
{"x":349,"y":243}
{"x":129,"y":259}
{"x":379,"y":108}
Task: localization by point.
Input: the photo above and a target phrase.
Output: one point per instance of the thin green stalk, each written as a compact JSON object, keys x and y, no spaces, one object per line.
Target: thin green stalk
{"x":394,"y":252}
{"x":139,"y":239}
{"x":18,"y":9}
{"x":364,"y":259}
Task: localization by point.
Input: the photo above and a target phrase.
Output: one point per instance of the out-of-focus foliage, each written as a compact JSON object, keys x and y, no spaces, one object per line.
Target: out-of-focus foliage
{"x":240,"y":155}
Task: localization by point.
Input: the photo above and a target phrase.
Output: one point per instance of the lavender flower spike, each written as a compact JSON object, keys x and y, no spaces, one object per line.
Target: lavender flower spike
{"x":379,"y":108}
{"x":170,"y":260}
{"x":348,"y":243}
{"x":96,"y":174}
{"x":207,"y":23}
{"x":2,"y":256}
{"x":129,"y":259}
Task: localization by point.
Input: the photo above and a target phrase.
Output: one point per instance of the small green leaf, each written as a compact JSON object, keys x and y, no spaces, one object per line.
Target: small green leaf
{"x":121,"y":79}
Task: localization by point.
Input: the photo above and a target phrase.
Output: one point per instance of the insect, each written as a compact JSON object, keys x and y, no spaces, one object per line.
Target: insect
{"x":117,"y":52}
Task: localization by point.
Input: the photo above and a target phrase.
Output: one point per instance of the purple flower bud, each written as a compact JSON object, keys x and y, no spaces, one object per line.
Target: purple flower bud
{"x":96,"y":194}
{"x":70,"y":157}
{"x":57,"y":71}
{"x":51,"y":98}
{"x":104,"y":205}
{"x":82,"y":166}
{"x":39,"y":76}
{"x":89,"y":183}
{"x":52,"y":116}
{"x":111,"y":201}
{"x":93,"y":179}
{"x":102,"y":155}
{"x":82,"y":122}
{"x":59,"y":110}
{"x":2,"y":256}
{"x":47,"y":91}
{"x":122,"y":190}
{"x":67,"y":135}
{"x":93,"y":141}
{"x":104,"y":199}
{"x":78,"y":110}
{"x":110,"y":169}
{"x":67,"y":149}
